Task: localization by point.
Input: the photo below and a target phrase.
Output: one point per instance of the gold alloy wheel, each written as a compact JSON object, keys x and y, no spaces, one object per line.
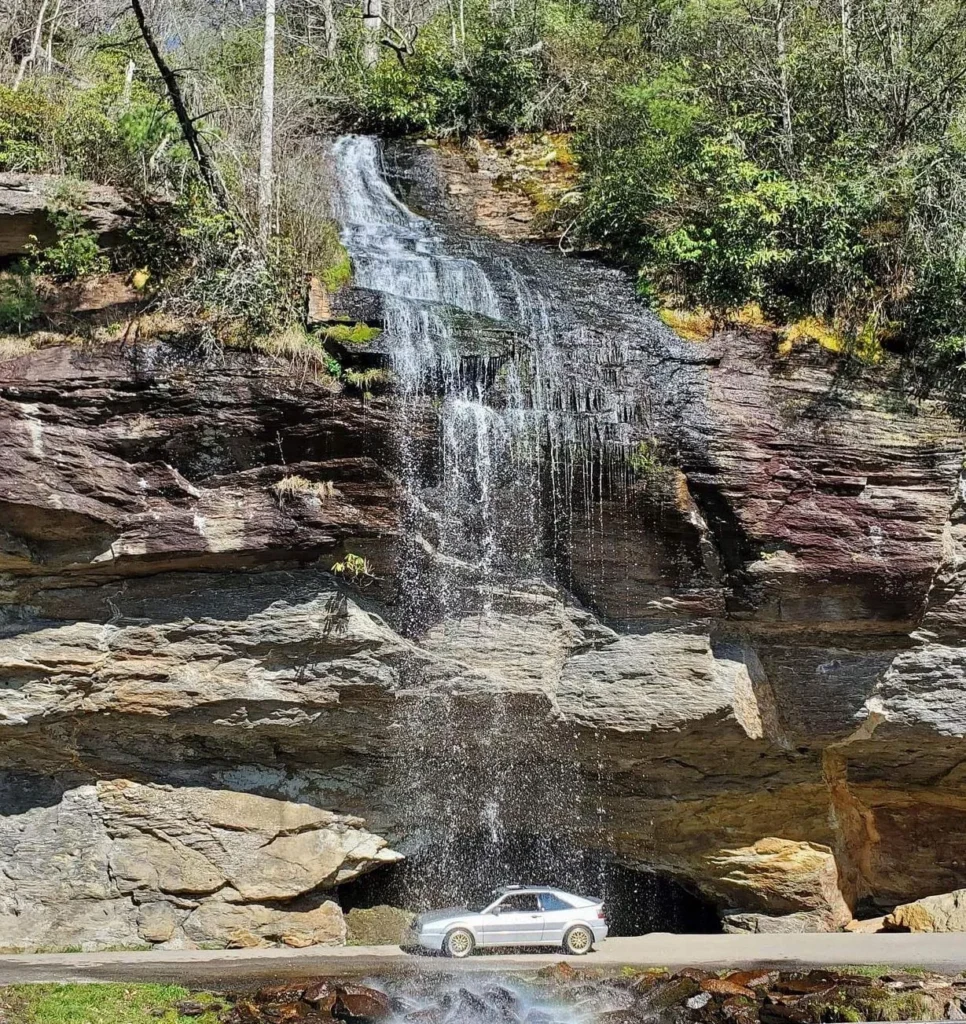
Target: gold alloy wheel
{"x":578,"y":941}
{"x":459,"y":943}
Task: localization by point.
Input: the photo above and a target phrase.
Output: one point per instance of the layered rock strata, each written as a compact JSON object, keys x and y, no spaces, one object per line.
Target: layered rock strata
{"x":748,"y":672}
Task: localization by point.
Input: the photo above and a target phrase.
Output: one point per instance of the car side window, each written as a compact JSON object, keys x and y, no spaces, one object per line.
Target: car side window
{"x":524,"y":902}
{"x":550,"y":902}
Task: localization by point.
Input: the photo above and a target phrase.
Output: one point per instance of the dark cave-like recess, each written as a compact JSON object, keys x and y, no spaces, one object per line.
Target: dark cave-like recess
{"x":637,"y":901}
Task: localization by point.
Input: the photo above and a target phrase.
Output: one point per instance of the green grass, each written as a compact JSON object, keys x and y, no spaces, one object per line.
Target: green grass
{"x":352,"y":334}
{"x":100,"y":1004}
{"x":878,"y":970}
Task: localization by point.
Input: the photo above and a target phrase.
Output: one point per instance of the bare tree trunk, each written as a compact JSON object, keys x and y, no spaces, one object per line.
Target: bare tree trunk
{"x":49,"y":52}
{"x":265,"y":170}
{"x":331,"y":29}
{"x":785,"y":99}
{"x":371,"y":28}
{"x":188,"y":130}
{"x":128,"y":85}
{"x":846,"y":12}
{"x":34,"y":47}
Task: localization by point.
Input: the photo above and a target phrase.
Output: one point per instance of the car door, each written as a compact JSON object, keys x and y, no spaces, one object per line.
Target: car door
{"x":558,"y":915}
{"x":516,"y":920}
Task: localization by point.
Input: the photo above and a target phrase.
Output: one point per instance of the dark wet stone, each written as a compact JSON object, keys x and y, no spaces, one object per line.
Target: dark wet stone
{"x":358,"y":1004}
{"x":281,"y":993}
{"x":433,"y":1015}
{"x":752,"y":979}
{"x":724,"y":987}
{"x":673,"y":992}
{"x":190,"y":1008}
{"x":813,"y":982}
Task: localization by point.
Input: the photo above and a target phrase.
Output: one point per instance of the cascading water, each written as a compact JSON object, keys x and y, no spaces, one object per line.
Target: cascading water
{"x":508,"y":420}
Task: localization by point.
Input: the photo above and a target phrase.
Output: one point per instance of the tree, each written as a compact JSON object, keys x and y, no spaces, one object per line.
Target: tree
{"x":371,"y":30}
{"x":185,"y":120}
{"x":31,"y":55}
{"x":267,"y":130}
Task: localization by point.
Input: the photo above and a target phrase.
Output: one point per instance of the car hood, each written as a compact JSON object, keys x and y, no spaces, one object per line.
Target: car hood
{"x":441,"y":915}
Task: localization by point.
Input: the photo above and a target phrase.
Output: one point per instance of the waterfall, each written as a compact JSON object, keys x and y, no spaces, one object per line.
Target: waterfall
{"x":508,"y":415}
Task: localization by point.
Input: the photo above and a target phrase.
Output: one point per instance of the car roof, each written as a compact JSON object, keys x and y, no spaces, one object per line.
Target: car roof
{"x":527,"y":889}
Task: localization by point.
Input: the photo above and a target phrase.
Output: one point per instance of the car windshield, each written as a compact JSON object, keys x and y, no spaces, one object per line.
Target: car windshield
{"x":478,"y":906}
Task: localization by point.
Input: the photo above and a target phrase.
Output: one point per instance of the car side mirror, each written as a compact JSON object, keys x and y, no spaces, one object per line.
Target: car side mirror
{"x":497,"y":911}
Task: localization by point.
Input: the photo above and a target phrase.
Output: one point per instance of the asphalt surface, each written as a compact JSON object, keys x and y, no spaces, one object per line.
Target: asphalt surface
{"x":241,"y":969}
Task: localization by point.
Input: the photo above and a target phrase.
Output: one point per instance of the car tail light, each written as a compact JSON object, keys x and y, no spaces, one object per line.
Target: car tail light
{"x":600,"y":914}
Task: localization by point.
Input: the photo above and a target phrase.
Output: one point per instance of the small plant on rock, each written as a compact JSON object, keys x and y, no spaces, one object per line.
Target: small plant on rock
{"x":643,"y":458}
{"x":353,"y":567}
{"x":76,"y":253}
{"x":19,"y":304}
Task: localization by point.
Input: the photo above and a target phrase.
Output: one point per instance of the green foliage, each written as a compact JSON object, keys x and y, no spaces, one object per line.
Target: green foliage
{"x":334,"y":266}
{"x":367,"y":381}
{"x":26,"y":125}
{"x":353,"y":567}
{"x":19,"y":304}
{"x":107,"y":132}
{"x":76,"y":253}
{"x":489,"y":85}
{"x":643,"y":459}
{"x":351,"y":334}
{"x":216,"y":274}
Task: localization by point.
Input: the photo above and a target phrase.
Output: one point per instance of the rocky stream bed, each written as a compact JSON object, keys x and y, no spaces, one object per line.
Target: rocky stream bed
{"x":561,"y":994}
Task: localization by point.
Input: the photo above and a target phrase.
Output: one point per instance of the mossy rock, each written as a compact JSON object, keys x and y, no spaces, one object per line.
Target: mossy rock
{"x":352,"y":334}
{"x":378,"y":926}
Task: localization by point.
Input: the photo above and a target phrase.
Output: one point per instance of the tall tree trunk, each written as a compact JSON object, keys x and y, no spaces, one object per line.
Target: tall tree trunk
{"x":784,"y":88}
{"x":128,"y":85}
{"x":846,"y":13}
{"x":34,"y":47}
{"x":265,"y":169}
{"x":188,"y":130}
{"x":371,"y":29}
{"x":49,"y":52}
{"x":331,"y":29}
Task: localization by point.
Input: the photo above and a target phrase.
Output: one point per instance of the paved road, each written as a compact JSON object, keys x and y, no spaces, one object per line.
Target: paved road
{"x":244,"y":968}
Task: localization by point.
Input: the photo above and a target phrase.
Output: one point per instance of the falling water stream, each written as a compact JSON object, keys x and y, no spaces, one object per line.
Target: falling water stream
{"x":511,"y":424}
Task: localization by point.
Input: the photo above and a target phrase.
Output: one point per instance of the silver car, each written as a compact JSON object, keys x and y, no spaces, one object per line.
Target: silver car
{"x":515,"y":916}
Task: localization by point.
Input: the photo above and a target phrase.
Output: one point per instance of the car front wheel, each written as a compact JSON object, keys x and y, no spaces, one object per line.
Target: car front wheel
{"x":458,"y":943}
{"x":578,"y":941}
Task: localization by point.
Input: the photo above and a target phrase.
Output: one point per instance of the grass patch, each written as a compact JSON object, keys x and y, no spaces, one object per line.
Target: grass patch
{"x":102,"y":1004}
{"x":692,"y":325}
{"x":335,"y":270}
{"x":882,"y":970}
{"x":351,"y":334}
{"x":293,"y":486}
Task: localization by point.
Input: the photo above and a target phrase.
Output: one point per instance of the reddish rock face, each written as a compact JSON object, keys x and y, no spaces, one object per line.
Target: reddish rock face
{"x":830,"y":509}
{"x":125,"y":461}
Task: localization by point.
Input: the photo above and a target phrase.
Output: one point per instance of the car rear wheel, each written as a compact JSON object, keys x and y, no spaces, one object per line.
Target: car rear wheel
{"x":578,"y":941}
{"x":458,"y":943}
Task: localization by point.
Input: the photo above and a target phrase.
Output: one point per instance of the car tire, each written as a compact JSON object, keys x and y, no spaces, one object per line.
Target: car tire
{"x":578,"y":941}
{"x":459,"y":943}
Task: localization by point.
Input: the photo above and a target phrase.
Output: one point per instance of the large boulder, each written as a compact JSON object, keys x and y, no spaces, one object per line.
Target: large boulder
{"x":26,"y":201}
{"x":122,"y":862}
{"x":943,"y":913}
{"x":785,"y":878}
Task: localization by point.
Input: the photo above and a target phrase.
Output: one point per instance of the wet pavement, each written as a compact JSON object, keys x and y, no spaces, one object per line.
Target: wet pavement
{"x":252,"y":968}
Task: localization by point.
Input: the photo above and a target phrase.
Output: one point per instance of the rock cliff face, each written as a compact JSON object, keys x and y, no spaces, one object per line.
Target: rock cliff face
{"x":747,"y":671}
